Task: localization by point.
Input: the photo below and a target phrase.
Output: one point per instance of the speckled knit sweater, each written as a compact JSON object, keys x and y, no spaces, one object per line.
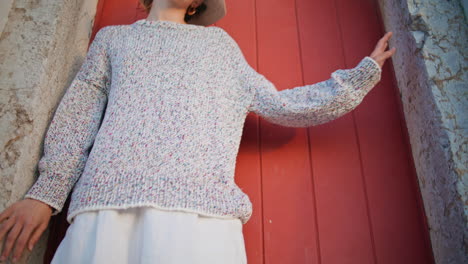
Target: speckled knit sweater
{"x":154,"y":117}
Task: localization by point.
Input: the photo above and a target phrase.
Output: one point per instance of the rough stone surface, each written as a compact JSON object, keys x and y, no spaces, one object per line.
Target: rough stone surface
{"x":42,"y":45}
{"x":431,"y":71}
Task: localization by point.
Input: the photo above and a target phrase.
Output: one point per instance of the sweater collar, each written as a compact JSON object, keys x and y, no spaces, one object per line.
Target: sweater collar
{"x":167,"y":24}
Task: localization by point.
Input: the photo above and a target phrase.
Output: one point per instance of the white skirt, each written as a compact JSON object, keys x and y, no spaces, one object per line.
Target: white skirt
{"x":149,"y":235}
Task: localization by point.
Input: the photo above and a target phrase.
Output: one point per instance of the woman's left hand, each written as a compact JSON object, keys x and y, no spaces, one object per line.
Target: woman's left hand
{"x":379,"y":54}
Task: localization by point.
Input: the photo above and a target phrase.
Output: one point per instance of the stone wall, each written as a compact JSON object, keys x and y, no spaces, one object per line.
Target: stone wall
{"x":431,"y":72}
{"x":42,"y":46}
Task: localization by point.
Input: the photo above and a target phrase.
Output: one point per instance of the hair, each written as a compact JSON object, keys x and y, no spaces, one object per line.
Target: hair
{"x":148,"y":3}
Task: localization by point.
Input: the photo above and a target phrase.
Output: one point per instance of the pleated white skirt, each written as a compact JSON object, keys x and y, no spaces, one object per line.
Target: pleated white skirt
{"x":144,"y":235}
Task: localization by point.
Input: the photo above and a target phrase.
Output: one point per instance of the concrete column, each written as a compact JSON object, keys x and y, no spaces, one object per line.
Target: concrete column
{"x":42,"y":46}
{"x":431,"y":66}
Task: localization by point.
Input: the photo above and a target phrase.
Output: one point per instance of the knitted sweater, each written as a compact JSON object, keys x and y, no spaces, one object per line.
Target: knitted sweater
{"x":154,"y":117}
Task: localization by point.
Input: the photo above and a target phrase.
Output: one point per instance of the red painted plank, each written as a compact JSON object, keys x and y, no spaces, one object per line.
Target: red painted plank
{"x":116,"y":12}
{"x":344,"y":233}
{"x":289,"y":206}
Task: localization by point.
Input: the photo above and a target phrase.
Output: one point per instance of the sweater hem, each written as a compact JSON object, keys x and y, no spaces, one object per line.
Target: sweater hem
{"x":74,"y":213}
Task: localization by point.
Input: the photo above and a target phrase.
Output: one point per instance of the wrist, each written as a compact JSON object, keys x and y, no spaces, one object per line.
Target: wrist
{"x":373,"y":59}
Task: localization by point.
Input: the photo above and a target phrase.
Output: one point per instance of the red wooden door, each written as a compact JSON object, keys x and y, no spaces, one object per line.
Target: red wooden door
{"x":341,"y":192}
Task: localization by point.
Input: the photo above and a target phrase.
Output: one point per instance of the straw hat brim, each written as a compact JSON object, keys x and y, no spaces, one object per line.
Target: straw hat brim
{"x":215,"y":10}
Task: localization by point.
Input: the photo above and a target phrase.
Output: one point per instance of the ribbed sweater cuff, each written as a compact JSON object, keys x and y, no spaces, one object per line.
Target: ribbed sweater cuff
{"x":361,"y":78}
{"x":52,"y":191}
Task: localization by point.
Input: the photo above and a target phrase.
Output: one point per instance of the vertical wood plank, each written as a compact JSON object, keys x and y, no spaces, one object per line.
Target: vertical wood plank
{"x":342,"y":216}
{"x":289,"y":207}
{"x":117,"y":12}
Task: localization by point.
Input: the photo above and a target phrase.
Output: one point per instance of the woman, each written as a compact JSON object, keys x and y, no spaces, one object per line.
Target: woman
{"x":147,"y":135}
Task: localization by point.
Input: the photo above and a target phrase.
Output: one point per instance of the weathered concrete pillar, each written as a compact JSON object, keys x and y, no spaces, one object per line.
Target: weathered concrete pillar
{"x":431,"y":66}
{"x":42,"y":46}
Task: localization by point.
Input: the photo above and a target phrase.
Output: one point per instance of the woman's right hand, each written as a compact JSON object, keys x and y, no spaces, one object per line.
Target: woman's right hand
{"x":24,"y":222}
{"x":380,"y":55}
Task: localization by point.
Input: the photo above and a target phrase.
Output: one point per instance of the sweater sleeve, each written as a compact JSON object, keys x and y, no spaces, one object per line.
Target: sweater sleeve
{"x":310,"y":104}
{"x":74,"y":126}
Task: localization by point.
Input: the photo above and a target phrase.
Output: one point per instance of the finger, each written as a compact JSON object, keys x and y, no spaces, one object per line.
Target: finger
{"x":22,"y":239}
{"x":36,"y":235}
{"x":12,"y":235}
{"x":385,"y":37}
{"x":389,"y":35}
{"x":6,"y":213}
{"x":6,"y":226}
{"x":389,"y":53}
{"x":381,"y":44}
